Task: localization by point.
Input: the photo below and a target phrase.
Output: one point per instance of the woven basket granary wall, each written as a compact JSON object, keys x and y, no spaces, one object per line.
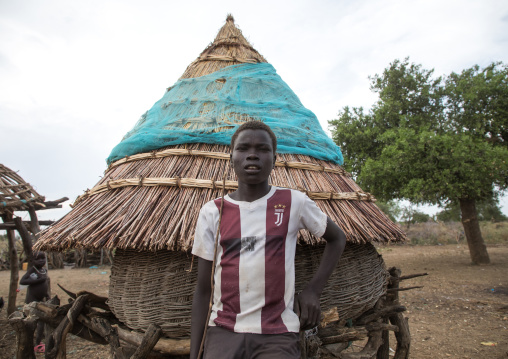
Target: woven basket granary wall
{"x":157,"y":287}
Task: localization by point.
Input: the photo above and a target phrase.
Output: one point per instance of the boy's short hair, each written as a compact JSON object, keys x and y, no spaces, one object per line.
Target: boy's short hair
{"x":254,"y":125}
{"x":38,"y":254}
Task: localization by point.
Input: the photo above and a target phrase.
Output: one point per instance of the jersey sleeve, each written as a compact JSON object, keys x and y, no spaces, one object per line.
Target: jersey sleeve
{"x":204,"y":236}
{"x":312,"y":217}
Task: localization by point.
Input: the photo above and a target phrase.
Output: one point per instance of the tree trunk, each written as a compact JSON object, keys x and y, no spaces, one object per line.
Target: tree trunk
{"x":26,"y":239}
{"x":477,"y":248}
{"x":13,"y":259}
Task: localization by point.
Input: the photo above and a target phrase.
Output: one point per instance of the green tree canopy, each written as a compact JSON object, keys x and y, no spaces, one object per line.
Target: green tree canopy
{"x":431,"y":140}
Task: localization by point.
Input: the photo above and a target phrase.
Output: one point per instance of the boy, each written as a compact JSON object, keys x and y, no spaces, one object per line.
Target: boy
{"x":37,"y":280}
{"x":255,"y":312}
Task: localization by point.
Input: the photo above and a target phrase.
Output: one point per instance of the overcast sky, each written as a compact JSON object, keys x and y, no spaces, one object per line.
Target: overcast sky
{"x":75,"y":76}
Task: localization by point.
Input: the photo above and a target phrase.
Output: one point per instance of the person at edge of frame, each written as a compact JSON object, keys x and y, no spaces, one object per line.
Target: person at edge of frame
{"x":37,"y":280}
{"x":255,"y":312}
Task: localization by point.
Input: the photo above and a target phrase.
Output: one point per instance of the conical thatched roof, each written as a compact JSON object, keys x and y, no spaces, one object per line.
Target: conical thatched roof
{"x":150,"y":199}
{"x":15,"y":193}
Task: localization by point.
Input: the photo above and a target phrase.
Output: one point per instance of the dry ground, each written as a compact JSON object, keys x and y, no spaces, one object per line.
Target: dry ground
{"x":460,"y":308}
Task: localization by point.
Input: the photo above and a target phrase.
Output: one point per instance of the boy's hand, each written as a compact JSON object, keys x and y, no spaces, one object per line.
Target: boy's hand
{"x":308,"y":309}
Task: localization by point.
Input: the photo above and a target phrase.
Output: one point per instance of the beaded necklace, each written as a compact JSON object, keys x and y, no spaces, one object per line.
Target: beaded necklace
{"x":43,"y":271}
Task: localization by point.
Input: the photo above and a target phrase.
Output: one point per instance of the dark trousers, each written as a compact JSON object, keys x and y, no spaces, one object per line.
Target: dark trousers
{"x":223,"y":344}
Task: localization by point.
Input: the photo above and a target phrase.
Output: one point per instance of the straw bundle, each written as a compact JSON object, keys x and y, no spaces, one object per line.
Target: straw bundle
{"x":15,"y":193}
{"x":229,"y":48}
{"x":143,"y":216}
{"x":156,"y":288}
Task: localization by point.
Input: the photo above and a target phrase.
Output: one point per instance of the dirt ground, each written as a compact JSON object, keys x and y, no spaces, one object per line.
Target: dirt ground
{"x":461,"y":311}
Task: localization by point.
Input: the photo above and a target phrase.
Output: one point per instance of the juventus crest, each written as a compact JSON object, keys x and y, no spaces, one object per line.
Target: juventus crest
{"x":279,"y":213}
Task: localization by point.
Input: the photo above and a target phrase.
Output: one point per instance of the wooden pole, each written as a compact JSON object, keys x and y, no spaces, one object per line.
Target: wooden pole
{"x":57,"y":341}
{"x":108,"y":332}
{"x":34,"y":222}
{"x":24,"y":328}
{"x":11,"y":225}
{"x":26,"y":238}
{"x":403,"y":336}
{"x":152,"y":335}
{"x":13,"y":258}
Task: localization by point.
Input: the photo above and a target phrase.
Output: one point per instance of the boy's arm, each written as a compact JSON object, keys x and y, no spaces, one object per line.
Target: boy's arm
{"x":27,"y":280}
{"x":307,"y":305}
{"x":200,"y":305}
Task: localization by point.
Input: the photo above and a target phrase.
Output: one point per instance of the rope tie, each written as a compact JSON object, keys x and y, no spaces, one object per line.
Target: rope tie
{"x":140,"y":182}
{"x":108,"y":185}
{"x":331,"y":196}
{"x":178,"y":181}
{"x":153,"y":154}
{"x":322,"y":168}
{"x":301,"y":189}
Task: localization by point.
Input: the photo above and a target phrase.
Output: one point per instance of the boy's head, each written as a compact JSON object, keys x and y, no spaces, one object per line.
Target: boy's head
{"x":253,"y":148}
{"x":39,"y":259}
{"x":255,"y":125}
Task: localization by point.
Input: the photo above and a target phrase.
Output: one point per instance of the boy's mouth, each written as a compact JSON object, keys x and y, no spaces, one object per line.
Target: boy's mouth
{"x":252,"y":168}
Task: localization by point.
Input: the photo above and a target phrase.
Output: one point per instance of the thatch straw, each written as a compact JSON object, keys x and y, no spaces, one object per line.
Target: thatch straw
{"x":15,"y":193}
{"x":229,"y":48}
{"x":158,"y":217}
{"x":223,"y":156}
{"x":164,"y":217}
{"x":201,"y":183}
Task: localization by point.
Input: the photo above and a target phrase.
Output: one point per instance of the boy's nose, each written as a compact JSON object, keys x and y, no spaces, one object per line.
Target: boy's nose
{"x":252,"y":156}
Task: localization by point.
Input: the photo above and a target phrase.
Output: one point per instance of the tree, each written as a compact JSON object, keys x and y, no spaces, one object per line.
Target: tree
{"x":432,"y":140}
{"x":411,"y":215}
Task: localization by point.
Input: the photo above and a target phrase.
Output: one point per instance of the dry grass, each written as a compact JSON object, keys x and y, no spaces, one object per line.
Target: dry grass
{"x":433,"y":233}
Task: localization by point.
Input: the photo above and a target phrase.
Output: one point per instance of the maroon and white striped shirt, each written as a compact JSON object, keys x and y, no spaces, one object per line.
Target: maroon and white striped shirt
{"x":255,"y":271}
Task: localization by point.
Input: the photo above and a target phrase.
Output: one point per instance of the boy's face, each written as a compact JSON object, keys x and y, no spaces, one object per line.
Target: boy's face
{"x":40,"y":260}
{"x":253,"y":157}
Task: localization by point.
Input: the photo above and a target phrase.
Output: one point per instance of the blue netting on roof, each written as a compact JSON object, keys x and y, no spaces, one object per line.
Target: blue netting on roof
{"x":208,"y":109}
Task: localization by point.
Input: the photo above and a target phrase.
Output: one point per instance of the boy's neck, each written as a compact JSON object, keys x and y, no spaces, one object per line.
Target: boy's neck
{"x":250,"y":192}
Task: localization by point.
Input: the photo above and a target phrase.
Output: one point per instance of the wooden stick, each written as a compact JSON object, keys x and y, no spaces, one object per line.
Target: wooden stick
{"x":410,"y":276}
{"x":390,"y":290}
{"x":110,"y":333}
{"x":13,"y":259}
{"x":24,"y":328}
{"x":26,"y":238}
{"x":164,"y":345}
{"x":57,"y":342}
{"x":379,"y":313}
{"x":403,"y":336}
{"x":151,"y":337}
{"x":11,"y":225}
{"x":356,"y":333}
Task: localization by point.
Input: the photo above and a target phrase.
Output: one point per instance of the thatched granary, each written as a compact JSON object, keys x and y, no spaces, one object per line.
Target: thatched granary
{"x":15,"y":193}
{"x":174,"y":161}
